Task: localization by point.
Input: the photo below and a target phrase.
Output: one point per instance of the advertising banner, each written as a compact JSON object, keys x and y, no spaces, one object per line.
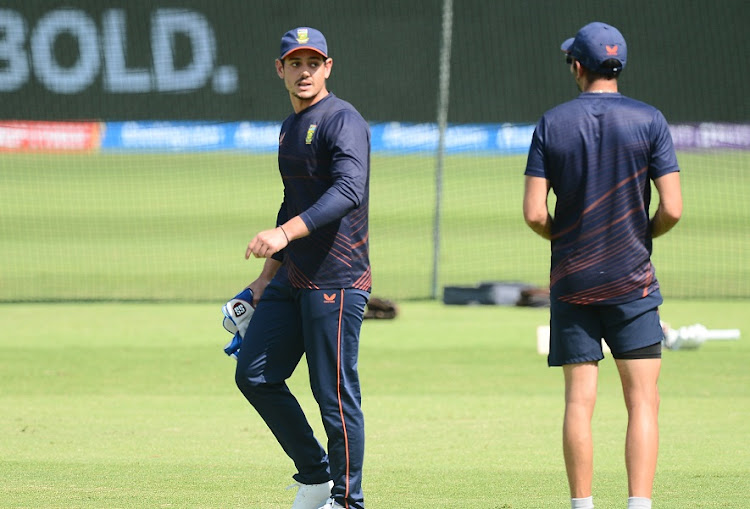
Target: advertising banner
{"x":49,"y":136}
{"x":262,"y":137}
{"x":208,"y":60}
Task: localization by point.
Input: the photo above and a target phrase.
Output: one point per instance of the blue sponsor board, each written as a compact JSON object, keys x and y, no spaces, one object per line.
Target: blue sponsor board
{"x":389,"y":137}
{"x":191,"y":136}
{"x":499,"y":139}
{"x":711,"y":135}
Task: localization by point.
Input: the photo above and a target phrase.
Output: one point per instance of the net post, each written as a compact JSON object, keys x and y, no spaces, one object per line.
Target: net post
{"x":442,"y":121}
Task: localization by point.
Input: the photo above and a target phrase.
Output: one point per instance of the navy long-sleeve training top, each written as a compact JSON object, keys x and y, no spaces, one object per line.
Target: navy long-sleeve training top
{"x":324,"y":160}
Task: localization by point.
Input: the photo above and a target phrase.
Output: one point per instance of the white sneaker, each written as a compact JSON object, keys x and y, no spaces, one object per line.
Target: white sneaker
{"x":311,"y":496}
{"x":331,"y":504}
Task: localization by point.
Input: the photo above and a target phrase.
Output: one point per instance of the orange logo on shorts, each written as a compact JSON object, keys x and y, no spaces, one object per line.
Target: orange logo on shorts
{"x":329,"y":299}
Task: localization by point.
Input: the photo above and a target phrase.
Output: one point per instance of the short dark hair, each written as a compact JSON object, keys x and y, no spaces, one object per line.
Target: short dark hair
{"x":614,"y":67}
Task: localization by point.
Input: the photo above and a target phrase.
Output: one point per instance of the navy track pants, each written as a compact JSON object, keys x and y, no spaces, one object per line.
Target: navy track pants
{"x":325,"y":326}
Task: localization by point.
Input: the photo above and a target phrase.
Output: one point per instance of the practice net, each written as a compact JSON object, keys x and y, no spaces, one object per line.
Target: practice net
{"x":137,"y":169}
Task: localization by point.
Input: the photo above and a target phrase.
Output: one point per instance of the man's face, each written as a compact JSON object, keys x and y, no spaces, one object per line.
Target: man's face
{"x":304,"y":73}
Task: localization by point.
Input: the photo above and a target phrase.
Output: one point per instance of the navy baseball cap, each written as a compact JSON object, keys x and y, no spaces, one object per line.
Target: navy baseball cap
{"x":303,"y":38}
{"x":594,"y":44}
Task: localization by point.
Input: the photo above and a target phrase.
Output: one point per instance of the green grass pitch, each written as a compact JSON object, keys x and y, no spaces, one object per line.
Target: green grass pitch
{"x":133,"y":405}
{"x":174,"y":227}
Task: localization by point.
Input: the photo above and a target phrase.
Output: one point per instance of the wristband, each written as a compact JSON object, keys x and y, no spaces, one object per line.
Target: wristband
{"x":285,"y":235}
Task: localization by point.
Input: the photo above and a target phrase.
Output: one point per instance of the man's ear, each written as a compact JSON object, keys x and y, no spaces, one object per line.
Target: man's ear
{"x":328,"y":67}
{"x":577,"y":69}
{"x":280,"y":68}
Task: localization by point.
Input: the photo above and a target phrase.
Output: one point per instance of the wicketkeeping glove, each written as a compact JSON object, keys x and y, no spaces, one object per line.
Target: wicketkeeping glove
{"x":237,"y":314}
{"x":232,"y":348}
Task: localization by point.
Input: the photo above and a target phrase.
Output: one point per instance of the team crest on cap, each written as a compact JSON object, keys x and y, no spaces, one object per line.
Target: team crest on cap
{"x":302,"y":36}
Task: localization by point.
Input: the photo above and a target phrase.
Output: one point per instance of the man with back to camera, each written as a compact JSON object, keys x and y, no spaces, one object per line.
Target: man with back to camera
{"x":599,"y":154}
{"x":311,"y":294}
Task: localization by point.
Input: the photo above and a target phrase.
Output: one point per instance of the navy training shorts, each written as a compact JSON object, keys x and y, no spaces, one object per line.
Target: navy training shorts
{"x":576,"y":331}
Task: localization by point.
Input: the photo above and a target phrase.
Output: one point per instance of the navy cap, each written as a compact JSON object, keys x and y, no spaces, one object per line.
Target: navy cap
{"x":303,"y":38}
{"x":594,"y":44}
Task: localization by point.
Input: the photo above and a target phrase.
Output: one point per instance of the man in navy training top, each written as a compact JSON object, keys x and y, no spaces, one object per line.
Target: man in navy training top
{"x":311,"y":294}
{"x":599,"y":154}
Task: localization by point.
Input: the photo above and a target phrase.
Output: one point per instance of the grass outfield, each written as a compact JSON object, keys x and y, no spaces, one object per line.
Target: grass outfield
{"x":134,"y":406}
{"x":175,"y":226}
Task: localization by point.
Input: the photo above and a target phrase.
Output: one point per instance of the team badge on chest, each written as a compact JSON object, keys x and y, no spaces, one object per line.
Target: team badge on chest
{"x":310,"y":133}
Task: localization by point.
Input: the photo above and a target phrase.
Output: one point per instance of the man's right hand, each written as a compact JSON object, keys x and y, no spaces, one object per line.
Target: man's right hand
{"x":267,"y":243}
